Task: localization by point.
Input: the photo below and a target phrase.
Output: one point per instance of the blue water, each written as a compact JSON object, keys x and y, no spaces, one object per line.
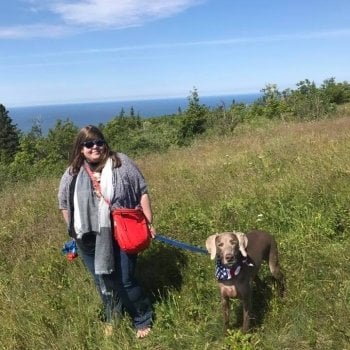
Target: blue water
{"x":101,"y":112}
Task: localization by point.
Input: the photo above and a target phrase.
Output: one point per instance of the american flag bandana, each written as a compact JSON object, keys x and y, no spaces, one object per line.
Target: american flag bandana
{"x":224,"y":273}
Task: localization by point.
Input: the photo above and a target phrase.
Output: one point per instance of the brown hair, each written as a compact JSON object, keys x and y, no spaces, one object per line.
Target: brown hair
{"x":89,"y":133}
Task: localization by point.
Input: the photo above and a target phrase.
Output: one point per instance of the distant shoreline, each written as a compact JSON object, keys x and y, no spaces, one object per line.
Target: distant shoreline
{"x":101,"y":112}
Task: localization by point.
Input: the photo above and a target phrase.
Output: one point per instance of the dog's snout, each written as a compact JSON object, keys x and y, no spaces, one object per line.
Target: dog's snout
{"x":229,"y":259}
{"x":229,"y":256}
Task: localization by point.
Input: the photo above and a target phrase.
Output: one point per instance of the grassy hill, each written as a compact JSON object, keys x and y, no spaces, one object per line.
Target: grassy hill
{"x":292,"y":179}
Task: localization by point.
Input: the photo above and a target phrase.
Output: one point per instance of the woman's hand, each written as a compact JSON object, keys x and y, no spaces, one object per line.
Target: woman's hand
{"x":152,"y":230}
{"x":65,"y":215}
{"x":147,"y":210}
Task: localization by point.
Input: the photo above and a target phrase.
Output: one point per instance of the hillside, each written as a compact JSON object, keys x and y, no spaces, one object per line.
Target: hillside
{"x":291,"y":179}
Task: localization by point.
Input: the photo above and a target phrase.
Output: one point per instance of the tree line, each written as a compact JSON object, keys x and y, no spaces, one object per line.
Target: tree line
{"x":24,"y":156}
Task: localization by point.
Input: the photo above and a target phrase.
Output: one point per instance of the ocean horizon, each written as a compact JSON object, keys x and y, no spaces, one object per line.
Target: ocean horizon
{"x":101,"y":112}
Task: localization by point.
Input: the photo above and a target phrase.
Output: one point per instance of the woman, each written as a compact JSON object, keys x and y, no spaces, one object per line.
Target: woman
{"x":84,"y":210}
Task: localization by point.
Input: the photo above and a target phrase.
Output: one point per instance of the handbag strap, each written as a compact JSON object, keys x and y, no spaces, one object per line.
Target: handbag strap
{"x":95,"y":183}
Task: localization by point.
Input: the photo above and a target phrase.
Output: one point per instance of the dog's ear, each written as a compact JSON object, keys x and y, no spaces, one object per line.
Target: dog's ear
{"x":211,"y":246}
{"x":242,"y":242}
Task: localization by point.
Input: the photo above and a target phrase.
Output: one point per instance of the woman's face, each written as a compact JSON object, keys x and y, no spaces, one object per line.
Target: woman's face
{"x":93,"y":150}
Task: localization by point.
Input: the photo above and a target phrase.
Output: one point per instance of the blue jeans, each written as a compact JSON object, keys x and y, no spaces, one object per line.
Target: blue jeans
{"x":120,"y":289}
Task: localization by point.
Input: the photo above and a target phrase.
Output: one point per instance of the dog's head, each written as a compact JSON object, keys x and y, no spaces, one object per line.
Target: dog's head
{"x":227,"y":246}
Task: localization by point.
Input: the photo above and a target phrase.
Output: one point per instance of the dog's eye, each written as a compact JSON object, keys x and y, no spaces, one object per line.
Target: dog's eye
{"x":220,"y":244}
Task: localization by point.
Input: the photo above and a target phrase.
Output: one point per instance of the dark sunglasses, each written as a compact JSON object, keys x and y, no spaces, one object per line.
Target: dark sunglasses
{"x":90,"y":144}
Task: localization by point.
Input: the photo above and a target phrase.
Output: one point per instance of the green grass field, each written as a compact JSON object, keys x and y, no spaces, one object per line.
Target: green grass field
{"x":292,"y":179}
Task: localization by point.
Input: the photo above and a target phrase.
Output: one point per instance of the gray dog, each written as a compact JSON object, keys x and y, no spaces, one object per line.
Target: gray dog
{"x":239,"y":257}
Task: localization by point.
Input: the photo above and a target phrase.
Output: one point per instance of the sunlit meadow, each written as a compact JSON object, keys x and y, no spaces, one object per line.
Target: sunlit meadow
{"x":292,"y":179}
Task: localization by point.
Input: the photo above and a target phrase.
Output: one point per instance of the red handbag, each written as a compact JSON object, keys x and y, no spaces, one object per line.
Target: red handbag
{"x":130,"y":227}
{"x":130,"y":230}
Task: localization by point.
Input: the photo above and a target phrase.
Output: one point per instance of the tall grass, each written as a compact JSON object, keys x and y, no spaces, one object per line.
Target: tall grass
{"x":291,"y":179}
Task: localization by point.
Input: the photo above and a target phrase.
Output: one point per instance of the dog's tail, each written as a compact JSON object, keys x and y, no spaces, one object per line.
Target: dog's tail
{"x":275,"y":266}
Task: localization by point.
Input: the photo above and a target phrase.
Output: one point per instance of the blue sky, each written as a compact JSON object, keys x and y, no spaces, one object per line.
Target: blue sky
{"x":59,"y":51}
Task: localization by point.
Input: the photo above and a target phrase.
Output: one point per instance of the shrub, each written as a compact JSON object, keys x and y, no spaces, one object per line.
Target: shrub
{"x":9,"y":136}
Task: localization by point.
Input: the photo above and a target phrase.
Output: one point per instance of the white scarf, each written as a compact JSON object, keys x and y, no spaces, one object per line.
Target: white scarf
{"x":103,"y":207}
{"x":85,"y":221}
{"x":107,"y":193}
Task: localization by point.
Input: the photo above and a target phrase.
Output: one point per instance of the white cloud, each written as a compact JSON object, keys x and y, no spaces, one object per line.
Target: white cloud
{"x":30,"y":31}
{"x":76,"y":16}
{"x":118,"y":14}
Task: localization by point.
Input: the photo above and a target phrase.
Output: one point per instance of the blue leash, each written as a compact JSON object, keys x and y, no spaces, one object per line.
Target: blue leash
{"x":179,"y":244}
{"x":70,"y":248}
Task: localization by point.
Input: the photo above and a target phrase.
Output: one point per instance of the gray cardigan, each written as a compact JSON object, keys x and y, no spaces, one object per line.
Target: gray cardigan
{"x":128,"y":186}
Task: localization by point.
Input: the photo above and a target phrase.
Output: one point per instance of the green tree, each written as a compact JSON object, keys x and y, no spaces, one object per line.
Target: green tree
{"x":273,"y":102}
{"x":223,"y":121}
{"x":28,"y":153}
{"x":54,"y":150}
{"x":122,"y":113}
{"x":121,"y":131}
{"x":41,"y":156}
{"x":9,"y":136}
{"x":36,"y":131}
{"x":194,"y":119}
{"x":336,"y":92}
{"x":308,"y":101}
